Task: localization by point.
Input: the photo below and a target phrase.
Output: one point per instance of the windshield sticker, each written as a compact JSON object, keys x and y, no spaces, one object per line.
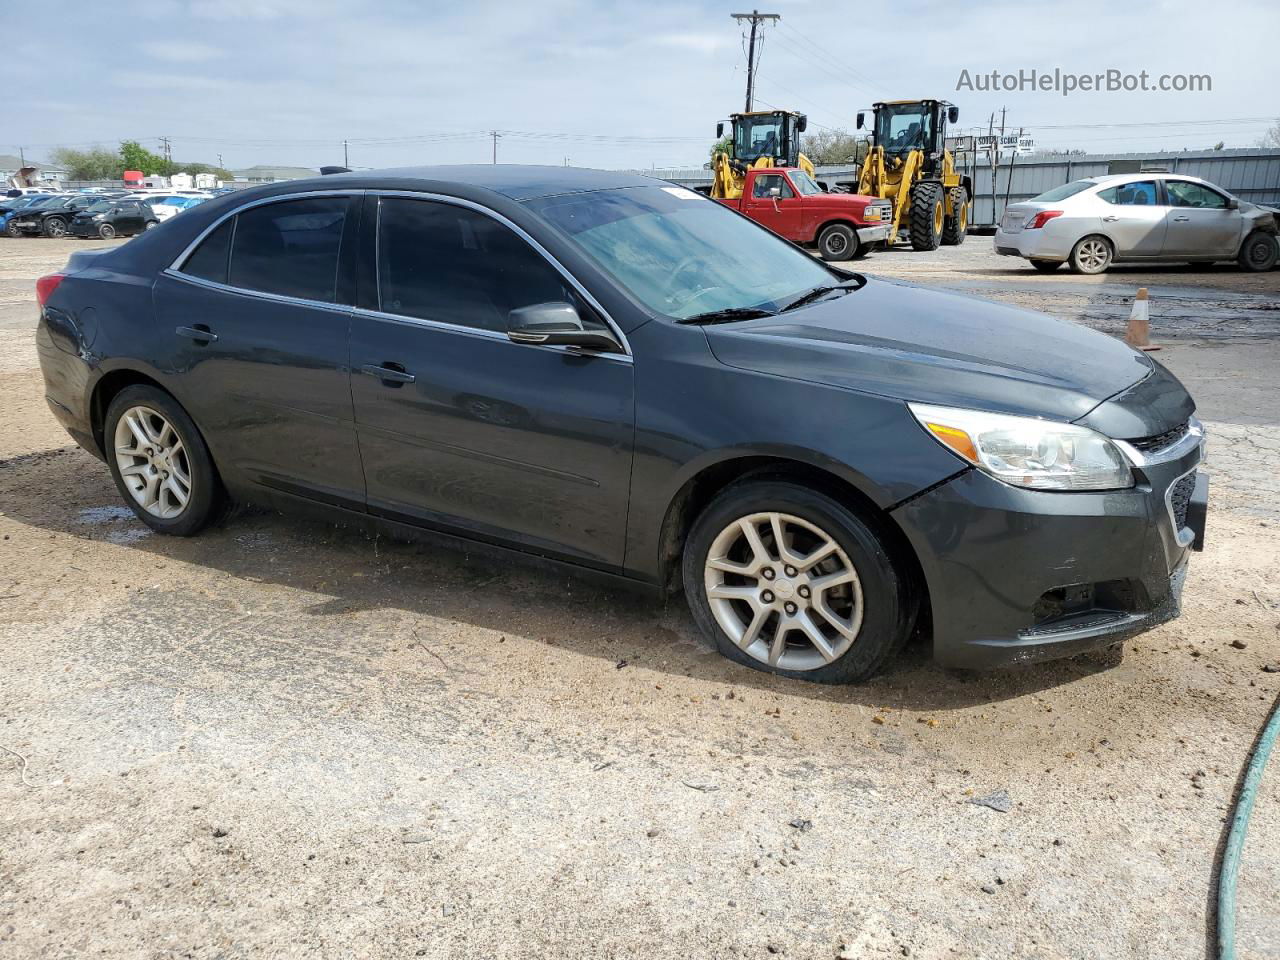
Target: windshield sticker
{"x":682,"y":193}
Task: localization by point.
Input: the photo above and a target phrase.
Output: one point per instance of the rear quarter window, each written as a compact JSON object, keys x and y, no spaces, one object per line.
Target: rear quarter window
{"x":209,"y":260}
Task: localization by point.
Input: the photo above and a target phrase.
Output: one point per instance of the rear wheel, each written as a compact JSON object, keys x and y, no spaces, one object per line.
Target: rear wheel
{"x":956,"y":226}
{"x":1090,"y":255}
{"x":789,"y":581}
{"x":1258,"y":252}
{"x":55,"y":227}
{"x":927,"y":215}
{"x":1046,"y":266}
{"x":106,"y":231}
{"x":838,"y":242}
{"x":159,"y":461}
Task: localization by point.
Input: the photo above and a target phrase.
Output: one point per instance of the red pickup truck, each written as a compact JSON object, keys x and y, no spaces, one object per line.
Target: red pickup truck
{"x":792,"y":205}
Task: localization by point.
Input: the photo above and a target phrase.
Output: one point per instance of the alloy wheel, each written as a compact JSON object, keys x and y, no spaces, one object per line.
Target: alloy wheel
{"x":783,"y":591}
{"x":1093,"y":254}
{"x":153,"y":462}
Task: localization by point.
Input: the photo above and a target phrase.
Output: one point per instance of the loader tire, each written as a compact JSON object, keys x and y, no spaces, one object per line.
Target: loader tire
{"x":927,"y":215}
{"x":956,"y":226}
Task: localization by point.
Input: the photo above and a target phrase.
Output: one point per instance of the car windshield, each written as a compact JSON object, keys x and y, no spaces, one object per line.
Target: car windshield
{"x":681,"y":254}
{"x":904,"y":126}
{"x":804,"y":183}
{"x":1064,"y":191}
{"x":756,"y":137}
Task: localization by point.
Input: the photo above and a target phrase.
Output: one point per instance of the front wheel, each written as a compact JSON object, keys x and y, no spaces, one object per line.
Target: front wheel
{"x":159,"y":461}
{"x":106,"y":231}
{"x":55,"y":227}
{"x":789,"y":581}
{"x":838,"y":242}
{"x":1258,"y":252}
{"x":927,"y":215}
{"x":1090,"y":255}
{"x":13,"y":230}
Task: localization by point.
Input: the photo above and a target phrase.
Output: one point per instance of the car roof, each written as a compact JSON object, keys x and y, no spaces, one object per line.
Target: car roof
{"x":515,"y":181}
{"x":1144,"y":175}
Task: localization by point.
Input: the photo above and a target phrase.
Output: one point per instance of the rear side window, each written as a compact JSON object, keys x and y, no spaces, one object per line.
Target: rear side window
{"x":209,"y":260}
{"x":437,"y":261}
{"x":1141,"y":194}
{"x":290,"y":248}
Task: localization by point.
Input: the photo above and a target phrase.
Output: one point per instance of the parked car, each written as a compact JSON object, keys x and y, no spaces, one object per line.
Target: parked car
{"x":1090,"y":224}
{"x":11,"y":205}
{"x":626,"y":377}
{"x":114,"y":218}
{"x":50,"y":218}
{"x":165,"y":207}
{"x":34,"y":201}
{"x":843,"y":226}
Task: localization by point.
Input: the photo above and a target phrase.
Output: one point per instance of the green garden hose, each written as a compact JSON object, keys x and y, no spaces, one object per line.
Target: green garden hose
{"x":1230,"y":869}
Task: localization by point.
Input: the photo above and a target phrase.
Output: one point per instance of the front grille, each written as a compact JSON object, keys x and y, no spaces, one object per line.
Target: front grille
{"x":1180,"y":497}
{"x":1161,"y":440}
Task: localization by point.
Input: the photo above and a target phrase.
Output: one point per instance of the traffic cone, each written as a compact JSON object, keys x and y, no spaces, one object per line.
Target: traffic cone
{"x":1138,"y":333}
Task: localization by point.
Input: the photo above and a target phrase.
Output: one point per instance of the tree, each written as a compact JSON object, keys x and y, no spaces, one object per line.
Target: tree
{"x":138,"y":157}
{"x":723,"y":145}
{"x":96,"y":163}
{"x":833,"y":147}
{"x":1272,"y":137}
{"x":195,"y":168}
{"x":1220,"y":144}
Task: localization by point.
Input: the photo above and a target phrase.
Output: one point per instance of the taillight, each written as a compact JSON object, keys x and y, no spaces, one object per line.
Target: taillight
{"x":1041,"y":218}
{"x":46,"y":285}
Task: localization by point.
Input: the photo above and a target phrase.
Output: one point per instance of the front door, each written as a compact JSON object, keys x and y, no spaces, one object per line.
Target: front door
{"x":462,"y":429}
{"x":257,"y":329}
{"x":774,"y":204}
{"x":1201,"y":222}
{"x":1134,"y":217}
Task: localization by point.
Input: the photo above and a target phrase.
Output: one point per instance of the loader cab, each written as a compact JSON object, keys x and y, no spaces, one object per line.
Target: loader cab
{"x":901,"y":126}
{"x":773,"y":134}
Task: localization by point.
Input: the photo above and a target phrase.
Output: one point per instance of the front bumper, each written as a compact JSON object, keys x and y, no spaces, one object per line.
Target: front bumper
{"x":873,"y":234}
{"x":1018,"y":575}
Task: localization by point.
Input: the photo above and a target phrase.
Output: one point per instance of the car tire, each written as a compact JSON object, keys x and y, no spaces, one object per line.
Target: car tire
{"x":838,"y":241}
{"x":1090,"y":255}
{"x":1046,"y":266}
{"x":153,"y":483}
{"x":927,"y":215}
{"x":54,"y":227}
{"x":875,"y":607}
{"x":956,"y":227}
{"x":13,"y":230}
{"x":151,"y":223}
{"x":1258,"y":252}
{"x":106,"y":231}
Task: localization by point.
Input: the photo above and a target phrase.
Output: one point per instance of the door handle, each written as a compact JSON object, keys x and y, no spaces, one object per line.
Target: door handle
{"x":1181,"y":218}
{"x":1110,"y":219}
{"x":388,"y":372}
{"x":199,"y":333}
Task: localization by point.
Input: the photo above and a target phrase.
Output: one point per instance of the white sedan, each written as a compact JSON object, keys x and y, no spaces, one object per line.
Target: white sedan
{"x":167,"y":206}
{"x":1090,"y":224}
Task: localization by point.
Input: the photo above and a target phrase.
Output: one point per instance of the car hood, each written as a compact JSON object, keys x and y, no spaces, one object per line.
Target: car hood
{"x":907,"y":342}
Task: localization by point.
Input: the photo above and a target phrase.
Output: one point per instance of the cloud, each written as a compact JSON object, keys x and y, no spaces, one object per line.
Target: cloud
{"x":180,"y":51}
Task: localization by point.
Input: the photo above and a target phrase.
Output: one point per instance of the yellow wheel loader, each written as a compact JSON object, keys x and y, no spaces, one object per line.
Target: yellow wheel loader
{"x":758,"y":139}
{"x":909,"y":164}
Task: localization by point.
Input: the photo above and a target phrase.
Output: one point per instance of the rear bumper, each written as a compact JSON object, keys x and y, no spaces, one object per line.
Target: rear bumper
{"x":1017,"y":575}
{"x":873,"y":234}
{"x":1039,"y":244}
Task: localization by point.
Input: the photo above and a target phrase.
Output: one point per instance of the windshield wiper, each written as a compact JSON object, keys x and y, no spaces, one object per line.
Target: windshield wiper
{"x":728,"y":315}
{"x":821,"y":291}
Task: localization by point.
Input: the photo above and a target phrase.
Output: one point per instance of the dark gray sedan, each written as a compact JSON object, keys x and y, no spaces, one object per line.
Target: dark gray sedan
{"x":633,"y":380}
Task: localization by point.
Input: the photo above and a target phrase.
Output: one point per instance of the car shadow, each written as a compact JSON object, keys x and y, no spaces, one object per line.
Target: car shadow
{"x":357,"y":571}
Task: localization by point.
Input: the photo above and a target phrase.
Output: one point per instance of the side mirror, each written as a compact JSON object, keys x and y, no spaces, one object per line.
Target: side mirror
{"x":953,"y":114}
{"x":1233,"y":203}
{"x":775,"y":192}
{"x":557,"y":324}
{"x":720,"y":130}
{"x":862,"y":117}
{"x":802,"y":123}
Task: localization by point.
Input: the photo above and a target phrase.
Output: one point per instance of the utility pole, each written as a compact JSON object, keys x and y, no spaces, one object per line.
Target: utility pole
{"x":22,"y":157}
{"x":220,"y":166}
{"x":345,"y":162}
{"x":495,"y":134}
{"x":756,"y":18}
{"x":168,"y":152}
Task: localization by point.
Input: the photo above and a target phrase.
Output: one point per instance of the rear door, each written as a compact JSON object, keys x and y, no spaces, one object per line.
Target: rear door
{"x":464,"y":430}
{"x":1135,"y":218}
{"x":258,"y":318}
{"x":1201,"y":222}
{"x":772,"y":202}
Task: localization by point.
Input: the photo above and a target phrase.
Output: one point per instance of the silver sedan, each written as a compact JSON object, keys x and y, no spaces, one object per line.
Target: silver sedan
{"x":1090,"y":224}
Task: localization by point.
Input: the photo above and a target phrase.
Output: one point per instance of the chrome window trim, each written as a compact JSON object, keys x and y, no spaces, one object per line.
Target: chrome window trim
{"x":527,"y":238}
{"x":1194,"y":437}
{"x":344,"y":308}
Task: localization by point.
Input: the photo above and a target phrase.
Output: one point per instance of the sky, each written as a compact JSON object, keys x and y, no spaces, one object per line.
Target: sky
{"x":615,"y":85}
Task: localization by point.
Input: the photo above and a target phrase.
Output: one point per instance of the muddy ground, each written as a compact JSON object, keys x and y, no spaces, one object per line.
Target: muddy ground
{"x":284,"y":739}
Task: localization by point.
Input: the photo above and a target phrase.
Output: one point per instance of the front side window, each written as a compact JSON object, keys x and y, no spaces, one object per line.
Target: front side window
{"x":1183,"y":193}
{"x":290,"y":248}
{"x":1141,"y":194}
{"x":681,"y":254}
{"x":766,"y":184}
{"x":447,"y":263}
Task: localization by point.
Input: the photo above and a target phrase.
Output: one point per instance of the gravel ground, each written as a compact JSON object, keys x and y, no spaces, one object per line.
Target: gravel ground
{"x":284,"y":739}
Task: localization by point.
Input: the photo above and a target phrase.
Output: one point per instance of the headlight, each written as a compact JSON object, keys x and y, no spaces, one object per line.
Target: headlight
{"x":99,"y":216}
{"x":1025,"y":452}
{"x":871,"y":212}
